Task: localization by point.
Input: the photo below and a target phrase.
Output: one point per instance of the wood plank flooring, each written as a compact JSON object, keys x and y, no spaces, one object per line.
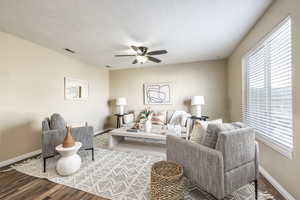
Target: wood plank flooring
{"x":18,"y":186}
{"x":264,"y":185}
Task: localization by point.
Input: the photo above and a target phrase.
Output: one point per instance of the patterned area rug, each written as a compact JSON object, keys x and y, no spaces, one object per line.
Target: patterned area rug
{"x":119,"y":175}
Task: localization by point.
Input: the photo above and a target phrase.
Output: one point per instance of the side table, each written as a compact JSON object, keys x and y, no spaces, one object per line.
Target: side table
{"x":120,"y":119}
{"x":70,"y":161}
{"x":194,"y":118}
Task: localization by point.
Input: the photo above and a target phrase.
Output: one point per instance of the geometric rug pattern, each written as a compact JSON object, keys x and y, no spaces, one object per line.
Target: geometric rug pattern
{"x":119,"y":175}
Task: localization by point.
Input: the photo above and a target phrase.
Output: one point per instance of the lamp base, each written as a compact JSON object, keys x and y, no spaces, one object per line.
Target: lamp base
{"x":121,"y":110}
{"x":197,"y":111}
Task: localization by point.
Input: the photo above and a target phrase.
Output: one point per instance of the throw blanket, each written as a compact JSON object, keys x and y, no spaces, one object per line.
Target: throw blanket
{"x":179,"y":118}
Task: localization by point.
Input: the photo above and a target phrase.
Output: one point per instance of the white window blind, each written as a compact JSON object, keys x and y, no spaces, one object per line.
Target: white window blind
{"x":267,"y":104}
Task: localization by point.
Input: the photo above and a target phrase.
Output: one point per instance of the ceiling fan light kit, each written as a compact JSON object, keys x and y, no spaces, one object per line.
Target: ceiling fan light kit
{"x":142,"y":55}
{"x":141,"y":59}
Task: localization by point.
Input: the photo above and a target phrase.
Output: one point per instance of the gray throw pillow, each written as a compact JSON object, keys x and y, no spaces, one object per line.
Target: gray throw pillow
{"x":239,"y":124}
{"x":46,"y":124}
{"x":213,"y":131}
{"x":57,"y":122}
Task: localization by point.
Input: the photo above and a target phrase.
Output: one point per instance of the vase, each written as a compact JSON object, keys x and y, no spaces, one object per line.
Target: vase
{"x":69,"y":140}
{"x":148,"y":126}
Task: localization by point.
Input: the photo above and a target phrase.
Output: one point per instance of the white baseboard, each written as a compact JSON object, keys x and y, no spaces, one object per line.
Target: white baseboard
{"x":30,"y":154}
{"x":102,"y":131}
{"x":276,"y":185}
{"x":19,"y":158}
{"x":98,"y":132}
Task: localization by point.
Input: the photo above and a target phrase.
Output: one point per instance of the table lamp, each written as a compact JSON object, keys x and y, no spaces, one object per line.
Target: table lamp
{"x":196,"y":102}
{"x":121,"y":102}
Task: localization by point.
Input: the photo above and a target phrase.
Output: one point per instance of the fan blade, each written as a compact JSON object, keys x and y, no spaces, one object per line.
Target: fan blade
{"x":135,"y":61}
{"x":158,"y":52}
{"x":153,"y":59}
{"x":123,"y":55}
{"x":135,"y":48}
{"x":143,"y":50}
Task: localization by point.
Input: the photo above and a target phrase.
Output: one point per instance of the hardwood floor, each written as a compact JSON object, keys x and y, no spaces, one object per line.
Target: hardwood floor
{"x":264,"y":185}
{"x":18,"y":186}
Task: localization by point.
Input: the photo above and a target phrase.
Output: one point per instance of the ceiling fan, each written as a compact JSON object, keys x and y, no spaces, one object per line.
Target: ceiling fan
{"x":142,"y":55}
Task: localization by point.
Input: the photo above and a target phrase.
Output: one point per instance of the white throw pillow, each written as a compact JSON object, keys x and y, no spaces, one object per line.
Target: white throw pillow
{"x":197,"y":133}
{"x":204,"y":124}
{"x":129,"y":118}
{"x":176,"y":118}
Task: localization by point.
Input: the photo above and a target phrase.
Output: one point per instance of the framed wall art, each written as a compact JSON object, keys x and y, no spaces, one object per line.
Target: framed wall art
{"x":157,"y":93}
{"x":76,"y":89}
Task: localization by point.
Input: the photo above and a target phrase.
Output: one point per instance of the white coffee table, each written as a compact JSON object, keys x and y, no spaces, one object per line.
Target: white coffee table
{"x":117,"y":135}
{"x":70,"y":161}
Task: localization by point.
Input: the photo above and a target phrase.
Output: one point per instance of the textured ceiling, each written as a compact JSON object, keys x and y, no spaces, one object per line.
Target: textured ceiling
{"x":191,"y":30}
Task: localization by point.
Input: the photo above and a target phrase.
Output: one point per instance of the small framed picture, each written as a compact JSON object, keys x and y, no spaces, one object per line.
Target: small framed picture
{"x":76,"y":89}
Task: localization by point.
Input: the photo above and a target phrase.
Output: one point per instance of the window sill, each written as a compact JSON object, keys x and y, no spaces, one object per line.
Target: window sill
{"x":287,"y":152}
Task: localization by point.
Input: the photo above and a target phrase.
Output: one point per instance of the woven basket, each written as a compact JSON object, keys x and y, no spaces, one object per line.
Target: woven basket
{"x":166,"y":181}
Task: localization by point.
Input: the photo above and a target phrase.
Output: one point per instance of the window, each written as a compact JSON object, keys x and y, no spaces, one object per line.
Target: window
{"x":267,"y":105}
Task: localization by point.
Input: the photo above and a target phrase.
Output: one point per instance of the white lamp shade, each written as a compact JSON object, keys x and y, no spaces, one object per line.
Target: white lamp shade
{"x":121,"y":101}
{"x":197,"y":100}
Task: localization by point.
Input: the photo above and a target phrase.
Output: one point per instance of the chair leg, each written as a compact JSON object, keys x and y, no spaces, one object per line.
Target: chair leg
{"x":92,"y":149}
{"x":256,"y":189}
{"x":93,"y":154}
{"x":45,"y":159}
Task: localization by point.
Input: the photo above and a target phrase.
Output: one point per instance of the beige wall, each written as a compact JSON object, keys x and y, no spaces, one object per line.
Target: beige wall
{"x":200,"y":78}
{"x":32,"y":87}
{"x":285,"y":171}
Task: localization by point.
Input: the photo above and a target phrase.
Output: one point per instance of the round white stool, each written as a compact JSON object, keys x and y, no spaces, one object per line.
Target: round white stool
{"x":70,"y":161}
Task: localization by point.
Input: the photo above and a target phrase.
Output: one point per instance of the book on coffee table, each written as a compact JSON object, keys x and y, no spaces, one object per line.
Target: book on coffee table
{"x":132,"y":130}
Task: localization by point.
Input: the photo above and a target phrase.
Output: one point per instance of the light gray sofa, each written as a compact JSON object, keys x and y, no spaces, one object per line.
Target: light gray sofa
{"x":220,"y":171}
{"x":54,"y":131}
{"x":169,"y":113}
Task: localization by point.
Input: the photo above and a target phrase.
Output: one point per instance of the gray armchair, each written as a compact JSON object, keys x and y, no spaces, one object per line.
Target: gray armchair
{"x":54,"y":131}
{"x":220,"y":171}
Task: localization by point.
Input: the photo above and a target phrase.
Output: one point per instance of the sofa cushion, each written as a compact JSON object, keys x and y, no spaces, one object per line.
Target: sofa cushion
{"x":57,"y":122}
{"x":213,"y":131}
{"x":159,"y":118}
